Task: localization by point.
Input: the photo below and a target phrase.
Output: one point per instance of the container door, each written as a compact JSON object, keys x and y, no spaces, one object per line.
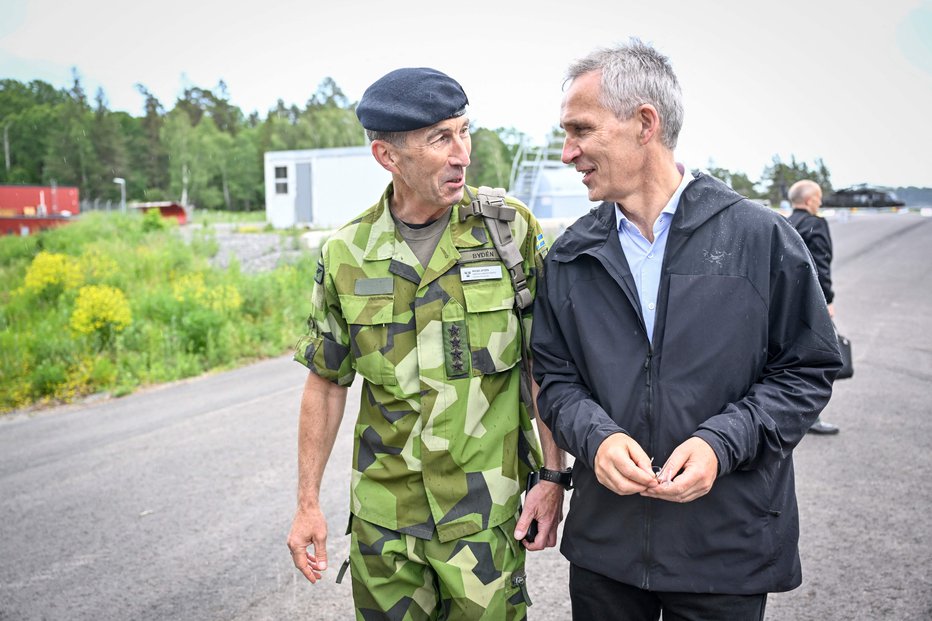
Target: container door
{"x":303,"y":203}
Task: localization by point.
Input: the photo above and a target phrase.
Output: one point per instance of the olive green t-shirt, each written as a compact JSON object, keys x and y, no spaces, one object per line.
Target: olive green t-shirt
{"x":423,"y":239}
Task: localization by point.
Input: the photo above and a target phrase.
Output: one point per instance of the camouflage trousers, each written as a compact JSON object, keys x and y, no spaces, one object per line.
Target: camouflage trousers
{"x":398,"y":577}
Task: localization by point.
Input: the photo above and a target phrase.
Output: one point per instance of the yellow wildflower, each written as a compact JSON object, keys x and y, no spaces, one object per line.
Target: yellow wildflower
{"x":101,"y":309}
{"x":97,"y":266}
{"x":192,"y":289}
{"x":50,"y":270}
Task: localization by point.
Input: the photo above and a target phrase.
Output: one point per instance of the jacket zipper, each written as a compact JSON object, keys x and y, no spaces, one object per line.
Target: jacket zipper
{"x":650,"y":444}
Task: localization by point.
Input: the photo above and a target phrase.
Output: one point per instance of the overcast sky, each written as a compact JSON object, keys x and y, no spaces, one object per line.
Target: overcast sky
{"x":850,"y":82}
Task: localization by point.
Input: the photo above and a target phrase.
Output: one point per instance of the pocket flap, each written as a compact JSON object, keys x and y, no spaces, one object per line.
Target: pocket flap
{"x":491,"y":295}
{"x":367,"y":310}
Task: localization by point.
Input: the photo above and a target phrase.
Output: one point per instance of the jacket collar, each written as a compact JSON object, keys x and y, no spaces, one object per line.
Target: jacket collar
{"x":594,"y":233}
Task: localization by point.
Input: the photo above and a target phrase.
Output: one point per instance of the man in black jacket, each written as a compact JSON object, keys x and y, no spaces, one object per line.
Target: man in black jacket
{"x":679,"y":329}
{"x":806,"y":198}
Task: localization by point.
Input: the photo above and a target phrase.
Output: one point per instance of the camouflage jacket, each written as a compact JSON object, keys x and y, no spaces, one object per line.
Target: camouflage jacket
{"x":442,"y":442}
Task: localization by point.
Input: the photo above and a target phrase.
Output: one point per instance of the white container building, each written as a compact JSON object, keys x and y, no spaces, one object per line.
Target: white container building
{"x":321,"y":188}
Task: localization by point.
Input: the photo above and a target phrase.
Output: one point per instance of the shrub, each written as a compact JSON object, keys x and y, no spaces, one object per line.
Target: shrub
{"x":142,"y":305}
{"x":100,"y":311}
{"x":46,"y":378}
{"x":51,"y":273}
{"x":152,"y":220}
{"x":97,"y":266}
{"x":191,"y":289}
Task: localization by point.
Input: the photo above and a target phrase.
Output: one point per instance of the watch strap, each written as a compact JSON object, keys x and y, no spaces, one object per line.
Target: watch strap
{"x":560,"y":477}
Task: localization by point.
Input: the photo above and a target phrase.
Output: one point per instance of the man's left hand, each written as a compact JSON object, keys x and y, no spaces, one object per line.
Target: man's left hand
{"x":543,"y":503}
{"x":688,"y":474}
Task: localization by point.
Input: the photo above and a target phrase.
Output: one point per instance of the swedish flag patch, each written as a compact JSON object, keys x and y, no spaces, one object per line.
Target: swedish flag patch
{"x":541,"y":243}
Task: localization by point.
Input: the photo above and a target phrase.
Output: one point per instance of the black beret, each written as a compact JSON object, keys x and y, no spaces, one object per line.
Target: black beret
{"x":408,"y":99}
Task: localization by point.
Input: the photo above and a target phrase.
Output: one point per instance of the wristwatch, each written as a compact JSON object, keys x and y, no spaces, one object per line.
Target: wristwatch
{"x":560,"y":477}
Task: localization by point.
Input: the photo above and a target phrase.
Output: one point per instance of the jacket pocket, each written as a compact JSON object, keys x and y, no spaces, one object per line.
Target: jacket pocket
{"x":369,"y":318}
{"x":492,"y":324}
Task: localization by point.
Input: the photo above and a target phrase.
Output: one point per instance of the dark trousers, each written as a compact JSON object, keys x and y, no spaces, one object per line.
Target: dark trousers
{"x":596,"y":598}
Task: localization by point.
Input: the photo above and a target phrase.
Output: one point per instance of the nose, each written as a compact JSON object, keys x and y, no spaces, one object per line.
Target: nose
{"x":570,"y":150}
{"x":459,"y":155}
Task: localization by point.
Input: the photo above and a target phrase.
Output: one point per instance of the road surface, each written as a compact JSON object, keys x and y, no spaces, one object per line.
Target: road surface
{"x":174,"y":503}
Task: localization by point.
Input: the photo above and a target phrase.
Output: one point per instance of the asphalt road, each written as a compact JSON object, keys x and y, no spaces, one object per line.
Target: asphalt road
{"x":174,"y":503}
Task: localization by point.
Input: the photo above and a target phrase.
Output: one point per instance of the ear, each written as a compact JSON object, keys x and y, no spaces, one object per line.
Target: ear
{"x":649,"y":118}
{"x":384,"y":154}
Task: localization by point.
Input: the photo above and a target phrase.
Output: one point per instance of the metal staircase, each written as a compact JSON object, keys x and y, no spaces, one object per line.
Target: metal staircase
{"x":526,"y":168}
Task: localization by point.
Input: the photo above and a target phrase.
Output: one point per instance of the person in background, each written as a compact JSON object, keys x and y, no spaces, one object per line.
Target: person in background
{"x":683,"y":348}
{"x":806,"y":197}
{"x":413,"y":296}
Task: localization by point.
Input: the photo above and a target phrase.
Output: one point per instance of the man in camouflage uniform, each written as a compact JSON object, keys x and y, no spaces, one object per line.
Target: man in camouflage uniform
{"x":414,"y":297}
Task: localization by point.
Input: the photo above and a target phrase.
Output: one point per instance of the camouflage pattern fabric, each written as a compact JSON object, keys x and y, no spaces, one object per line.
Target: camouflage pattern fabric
{"x":442,"y":441}
{"x":395,"y":576}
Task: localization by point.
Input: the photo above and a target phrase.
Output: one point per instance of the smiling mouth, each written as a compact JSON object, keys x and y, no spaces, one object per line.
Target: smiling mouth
{"x":586,"y":173}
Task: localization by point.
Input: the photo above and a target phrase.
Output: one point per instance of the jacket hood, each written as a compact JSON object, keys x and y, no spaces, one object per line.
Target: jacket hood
{"x":702,"y":199}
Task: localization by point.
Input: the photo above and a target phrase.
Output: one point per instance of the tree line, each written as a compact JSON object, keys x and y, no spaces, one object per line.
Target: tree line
{"x":206,"y":152}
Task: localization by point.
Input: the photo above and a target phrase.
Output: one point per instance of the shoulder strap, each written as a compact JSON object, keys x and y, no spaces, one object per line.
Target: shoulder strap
{"x":490,"y":204}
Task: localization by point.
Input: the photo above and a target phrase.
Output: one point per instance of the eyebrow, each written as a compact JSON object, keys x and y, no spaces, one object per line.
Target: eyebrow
{"x":439,"y":131}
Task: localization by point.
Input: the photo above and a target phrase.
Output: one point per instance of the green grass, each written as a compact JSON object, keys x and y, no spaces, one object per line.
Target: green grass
{"x":186,"y":317}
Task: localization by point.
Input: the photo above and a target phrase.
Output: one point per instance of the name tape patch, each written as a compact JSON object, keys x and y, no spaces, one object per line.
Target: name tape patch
{"x":479,"y":254}
{"x":374,"y":286}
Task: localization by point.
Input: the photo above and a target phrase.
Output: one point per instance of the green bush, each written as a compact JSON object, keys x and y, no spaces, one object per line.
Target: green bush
{"x":118,"y":301}
{"x":46,"y":378}
{"x":152,"y":220}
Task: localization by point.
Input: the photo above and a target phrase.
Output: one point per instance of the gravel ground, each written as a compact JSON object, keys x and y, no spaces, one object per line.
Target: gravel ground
{"x":256,"y":252}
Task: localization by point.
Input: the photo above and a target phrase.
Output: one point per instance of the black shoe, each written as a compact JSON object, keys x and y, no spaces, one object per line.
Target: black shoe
{"x":822,"y":428}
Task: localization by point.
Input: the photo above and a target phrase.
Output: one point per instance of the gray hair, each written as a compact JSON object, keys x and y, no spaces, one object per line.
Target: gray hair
{"x":801,"y":191}
{"x":634,"y":74}
{"x":399,"y":139}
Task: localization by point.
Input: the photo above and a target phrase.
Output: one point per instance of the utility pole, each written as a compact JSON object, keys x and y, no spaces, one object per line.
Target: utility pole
{"x":6,"y":145}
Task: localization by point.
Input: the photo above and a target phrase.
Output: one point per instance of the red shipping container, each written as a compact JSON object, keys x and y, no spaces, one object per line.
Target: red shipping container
{"x":38,"y":200}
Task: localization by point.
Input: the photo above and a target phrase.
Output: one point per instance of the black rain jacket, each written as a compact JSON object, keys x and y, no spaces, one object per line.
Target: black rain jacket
{"x":743,"y":356}
{"x":815,"y":233}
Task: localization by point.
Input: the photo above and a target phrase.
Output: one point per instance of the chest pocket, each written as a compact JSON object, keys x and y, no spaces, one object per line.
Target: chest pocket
{"x":494,"y":340}
{"x":370,"y":318}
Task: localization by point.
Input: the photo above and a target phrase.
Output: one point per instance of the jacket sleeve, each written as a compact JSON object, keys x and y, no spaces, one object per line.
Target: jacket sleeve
{"x":820,"y":245}
{"x":795,"y":383}
{"x":325,"y":348}
{"x":578,"y":423}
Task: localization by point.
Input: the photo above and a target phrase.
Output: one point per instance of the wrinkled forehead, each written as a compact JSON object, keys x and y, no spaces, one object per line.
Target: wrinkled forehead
{"x":581,"y":98}
{"x":446,"y":126}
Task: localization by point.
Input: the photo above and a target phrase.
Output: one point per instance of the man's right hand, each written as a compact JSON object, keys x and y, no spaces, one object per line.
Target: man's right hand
{"x":622,"y":466}
{"x":309,"y":530}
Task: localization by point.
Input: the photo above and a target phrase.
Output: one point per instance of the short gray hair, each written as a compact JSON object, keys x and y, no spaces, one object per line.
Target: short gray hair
{"x":801,"y":191}
{"x":399,"y":139}
{"x":634,"y":74}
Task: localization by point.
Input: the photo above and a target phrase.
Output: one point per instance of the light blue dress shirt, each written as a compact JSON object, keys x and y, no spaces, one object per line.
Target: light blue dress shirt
{"x":646,"y":259}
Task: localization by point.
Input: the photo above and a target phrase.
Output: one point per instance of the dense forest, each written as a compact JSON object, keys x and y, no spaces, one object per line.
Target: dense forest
{"x":205,"y":151}
{"x":202,"y":151}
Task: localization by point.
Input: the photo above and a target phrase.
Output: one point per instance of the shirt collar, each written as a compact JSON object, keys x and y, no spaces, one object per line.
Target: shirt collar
{"x":672,"y":204}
